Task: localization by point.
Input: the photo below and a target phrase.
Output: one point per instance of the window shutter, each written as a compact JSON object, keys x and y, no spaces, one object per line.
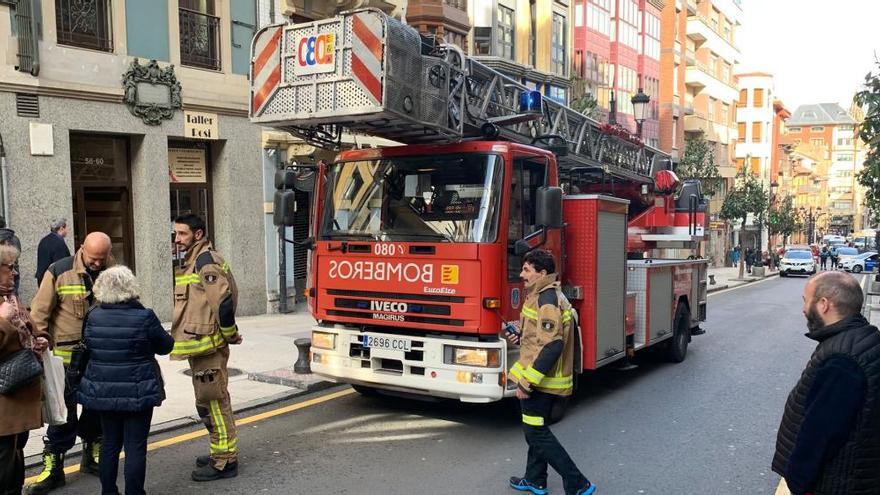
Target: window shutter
{"x":243,"y":27}
{"x":146,"y":29}
{"x":26,"y":15}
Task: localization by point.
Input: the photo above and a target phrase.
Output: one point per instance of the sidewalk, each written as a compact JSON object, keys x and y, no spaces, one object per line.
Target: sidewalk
{"x":267,"y":354}
{"x":728,"y":277}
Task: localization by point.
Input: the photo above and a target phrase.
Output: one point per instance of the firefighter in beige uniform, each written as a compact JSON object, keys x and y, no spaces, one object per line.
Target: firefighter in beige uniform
{"x":542,"y":373}
{"x":61,"y":303}
{"x":205,"y":298}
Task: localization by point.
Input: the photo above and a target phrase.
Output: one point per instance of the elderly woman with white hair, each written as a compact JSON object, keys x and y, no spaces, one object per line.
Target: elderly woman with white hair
{"x":123,"y":381}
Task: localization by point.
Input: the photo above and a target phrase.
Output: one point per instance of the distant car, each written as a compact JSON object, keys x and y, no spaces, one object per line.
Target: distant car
{"x":797,"y":261}
{"x":845,"y":253}
{"x":865,"y":262}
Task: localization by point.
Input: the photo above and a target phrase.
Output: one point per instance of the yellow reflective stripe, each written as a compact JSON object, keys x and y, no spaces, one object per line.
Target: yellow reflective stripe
{"x":223,"y":444}
{"x":566,"y":316}
{"x":533,"y":375}
{"x":63,"y":354}
{"x":530,"y":313}
{"x":197,"y":345}
{"x":71,"y":289}
{"x":192,"y":278}
{"x":559,"y":383}
{"x":225,"y":267}
{"x":533,"y":420}
{"x":48,"y":467}
{"x":516,"y":370}
{"x":228,"y":331}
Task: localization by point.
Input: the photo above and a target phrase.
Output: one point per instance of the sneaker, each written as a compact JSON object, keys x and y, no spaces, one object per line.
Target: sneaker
{"x":51,"y":477}
{"x":203,"y":460}
{"x":590,"y":489}
{"x":210,"y":473}
{"x":525,"y":485}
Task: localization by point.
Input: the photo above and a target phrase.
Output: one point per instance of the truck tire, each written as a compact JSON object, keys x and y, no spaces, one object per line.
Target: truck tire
{"x":678,"y":345}
{"x":560,"y":404}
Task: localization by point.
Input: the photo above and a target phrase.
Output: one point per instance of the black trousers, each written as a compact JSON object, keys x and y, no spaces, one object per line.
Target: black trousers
{"x":12,"y":463}
{"x":127,"y":430}
{"x":544,"y":448}
{"x":60,"y":439}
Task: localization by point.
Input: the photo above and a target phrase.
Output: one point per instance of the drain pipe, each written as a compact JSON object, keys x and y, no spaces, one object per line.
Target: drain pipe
{"x":3,"y":181}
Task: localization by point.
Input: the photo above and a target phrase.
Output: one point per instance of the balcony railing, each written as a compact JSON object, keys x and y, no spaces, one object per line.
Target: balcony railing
{"x":199,"y":39}
{"x":84,"y":23}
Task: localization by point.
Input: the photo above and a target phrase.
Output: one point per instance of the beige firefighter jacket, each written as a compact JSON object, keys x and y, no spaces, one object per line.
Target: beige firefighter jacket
{"x":61,"y":302}
{"x":546,"y":343}
{"x":205,"y":298}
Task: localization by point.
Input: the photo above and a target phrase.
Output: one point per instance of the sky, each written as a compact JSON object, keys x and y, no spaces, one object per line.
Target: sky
{"x":818,"y":50}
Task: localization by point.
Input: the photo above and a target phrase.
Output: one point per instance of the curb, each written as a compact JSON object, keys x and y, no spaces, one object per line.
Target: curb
{"x":716,"y":288}
{"x":742,"y":282}
{"x":35,"y":460}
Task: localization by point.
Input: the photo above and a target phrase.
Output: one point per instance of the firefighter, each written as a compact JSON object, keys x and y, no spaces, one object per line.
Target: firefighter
{"x":64,"y":297}
{"x":205,"y":297}
{"x":543,"y":373}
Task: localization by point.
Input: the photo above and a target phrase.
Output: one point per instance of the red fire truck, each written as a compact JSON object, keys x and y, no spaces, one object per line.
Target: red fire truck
{"x":417,"y":249}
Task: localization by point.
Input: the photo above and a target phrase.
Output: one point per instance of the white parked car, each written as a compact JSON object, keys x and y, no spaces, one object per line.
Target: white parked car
{"x":865,"y":262}
{"x":797,"y":261}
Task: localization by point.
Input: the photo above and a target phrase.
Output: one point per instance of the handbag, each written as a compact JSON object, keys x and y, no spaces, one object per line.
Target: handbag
{"x":79,"y":358}
{"x":17,"y":370}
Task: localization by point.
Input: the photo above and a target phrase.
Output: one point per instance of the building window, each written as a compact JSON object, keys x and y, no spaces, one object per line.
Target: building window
{"x":740,"y":163}
{"x":725,"y":113}
{"x":674,"y":133}
{"x":533,"y":32}
{"x":506,"y":33}
{"x":84,"y":23}
{"x":794,"y":129}
{"x":482,"y":40}
{"x":741,"y":131}
{"x":579,"y":63}
{"x":743,"y":98}
{"x":599,"y":18}
{"x":712,"y":104}
{"x":755,"y":165}
{"x":756,"y":132}
{"x":199,"y":34}
{"x":759,"y":98}
{"x":817,"y":142}
{"x":459,"y":4}
{"x":845,"y":157}
{"x":817,"y":128}
{"x":557,"y":41}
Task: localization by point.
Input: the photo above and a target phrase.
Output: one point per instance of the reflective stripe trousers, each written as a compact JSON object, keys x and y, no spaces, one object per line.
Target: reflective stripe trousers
{"x":210,"y":383}
{"x":544,"y":448}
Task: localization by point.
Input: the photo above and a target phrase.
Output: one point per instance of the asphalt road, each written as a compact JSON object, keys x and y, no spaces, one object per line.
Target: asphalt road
{"x":707,"y":425}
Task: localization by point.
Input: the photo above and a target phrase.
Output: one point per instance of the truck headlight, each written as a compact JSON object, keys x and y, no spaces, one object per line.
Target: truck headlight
{"x":324,"y":340}
{"x":470,"y":356}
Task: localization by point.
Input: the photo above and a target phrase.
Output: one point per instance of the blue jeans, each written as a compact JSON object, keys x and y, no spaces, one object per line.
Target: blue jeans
{"x":128,"y":430}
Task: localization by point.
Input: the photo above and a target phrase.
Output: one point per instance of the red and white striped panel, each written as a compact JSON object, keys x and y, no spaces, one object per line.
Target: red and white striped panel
{"x":265,"y":68}
{"x":366,"y":53}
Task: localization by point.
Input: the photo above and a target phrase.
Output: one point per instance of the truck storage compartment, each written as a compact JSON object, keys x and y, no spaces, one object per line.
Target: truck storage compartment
{"x":595,"y":264}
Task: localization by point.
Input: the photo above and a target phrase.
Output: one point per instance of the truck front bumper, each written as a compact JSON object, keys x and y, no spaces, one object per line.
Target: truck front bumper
{"x":420,"y":371}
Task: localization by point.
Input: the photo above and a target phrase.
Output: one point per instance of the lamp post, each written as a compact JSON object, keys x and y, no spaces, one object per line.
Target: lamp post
{"x":811,"y":221}
{"x":612,"y":109}
{"x":640,"y":109}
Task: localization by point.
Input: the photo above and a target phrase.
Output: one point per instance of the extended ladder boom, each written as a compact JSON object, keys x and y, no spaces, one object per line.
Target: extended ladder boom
{"x":366,"y":72}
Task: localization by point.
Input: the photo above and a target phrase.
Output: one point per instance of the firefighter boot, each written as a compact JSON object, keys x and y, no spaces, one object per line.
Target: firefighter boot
{"x":209,"y":473}
{"x":51,"y":477}
{"x":203,"y":460}
{"x":90,"y":457}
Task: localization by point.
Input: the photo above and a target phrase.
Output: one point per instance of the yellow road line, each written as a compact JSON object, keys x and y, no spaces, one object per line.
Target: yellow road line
{"x":201,"y":433}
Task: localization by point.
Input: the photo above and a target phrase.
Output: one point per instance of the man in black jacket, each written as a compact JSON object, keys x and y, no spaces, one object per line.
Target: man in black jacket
{"x":829,"y":439}
{"x":52,"y":247}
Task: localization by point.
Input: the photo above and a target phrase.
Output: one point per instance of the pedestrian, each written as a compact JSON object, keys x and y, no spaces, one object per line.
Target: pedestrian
{"x":20,"y":410}
{"x":834,"y":257}
{"x":542,"y":374}
{"x":52,"y":247}
{"x":58,"y":308}
{"x":823,"y":257}
{"x":205,"y":297}
{"x":123,"y":381}
{"x":750,"y":259}
{"x":737,"y":253}
{"x":7,"y":236}
{"x":827,"y":441}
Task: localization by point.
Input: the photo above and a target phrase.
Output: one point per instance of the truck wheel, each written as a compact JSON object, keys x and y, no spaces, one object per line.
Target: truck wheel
{"x":678,"y":346}
{"x":366,"y":391}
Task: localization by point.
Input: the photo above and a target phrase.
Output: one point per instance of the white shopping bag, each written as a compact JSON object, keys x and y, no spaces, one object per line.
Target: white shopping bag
{"x":54,"y":410}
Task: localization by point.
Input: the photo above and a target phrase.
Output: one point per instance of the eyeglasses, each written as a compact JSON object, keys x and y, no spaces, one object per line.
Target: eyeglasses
{"x":11,"y":266}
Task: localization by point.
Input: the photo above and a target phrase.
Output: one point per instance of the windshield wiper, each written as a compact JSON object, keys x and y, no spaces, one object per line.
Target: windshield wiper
{"x":422,"y":235}
{"x":348,"y":235}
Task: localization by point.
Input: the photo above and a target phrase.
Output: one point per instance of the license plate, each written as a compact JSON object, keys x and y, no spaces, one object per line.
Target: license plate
{"x":387,"y":343}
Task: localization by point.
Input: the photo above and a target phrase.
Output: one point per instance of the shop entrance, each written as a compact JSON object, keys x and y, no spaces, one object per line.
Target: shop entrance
{"x":101,"y":185}
{"x":190,"y":185}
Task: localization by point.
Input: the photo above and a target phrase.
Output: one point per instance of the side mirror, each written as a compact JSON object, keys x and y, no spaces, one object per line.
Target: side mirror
{"x":548,"y":212}
{"x":284,"y":206}
{"x":521,"y":247}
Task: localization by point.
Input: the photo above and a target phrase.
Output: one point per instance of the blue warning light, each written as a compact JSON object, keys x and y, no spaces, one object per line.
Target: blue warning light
{"x":530,"y":102}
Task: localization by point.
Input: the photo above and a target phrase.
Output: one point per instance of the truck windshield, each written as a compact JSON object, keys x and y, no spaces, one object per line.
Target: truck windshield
{"x":447,"y":198}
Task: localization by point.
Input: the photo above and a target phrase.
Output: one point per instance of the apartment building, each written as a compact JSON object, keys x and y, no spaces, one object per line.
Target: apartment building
{"x":121,"y":115}
{"x":529,"y":40}
{"x":672,"y":109}
{"x":803,"y":176}
{"x":831,"y":129}
{"x":755,"y":121}
{"x":617,"y":53}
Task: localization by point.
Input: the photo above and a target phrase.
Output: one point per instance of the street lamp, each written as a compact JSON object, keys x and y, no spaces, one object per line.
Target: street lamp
{"x":612,"y":109}
{"x":811,"y":221}
{"x":640,"y":109}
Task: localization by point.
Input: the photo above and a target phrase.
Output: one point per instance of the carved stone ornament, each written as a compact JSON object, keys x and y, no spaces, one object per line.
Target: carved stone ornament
{"x":151,"y":92}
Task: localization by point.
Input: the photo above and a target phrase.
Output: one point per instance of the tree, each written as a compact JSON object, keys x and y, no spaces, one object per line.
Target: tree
{"x":782,"y":218}
{"x":698,"y":162}
{"x":582,"y":100}
{"x":747,"y":196}
{"x":869,"y":132}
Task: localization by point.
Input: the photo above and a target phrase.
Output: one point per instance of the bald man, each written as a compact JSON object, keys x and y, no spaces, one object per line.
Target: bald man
{"x":829,"y":439}
{"x":64,"y":296}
